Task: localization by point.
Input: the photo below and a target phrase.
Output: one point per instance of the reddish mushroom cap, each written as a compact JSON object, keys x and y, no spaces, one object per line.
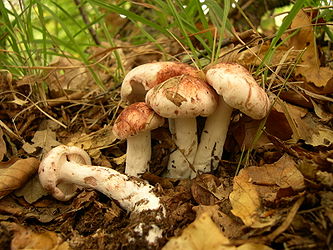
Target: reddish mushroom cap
{"x":182,"y":97}
{"x":239,"y":89}
{"x":144,"y":77}
{"x":136,"y":118}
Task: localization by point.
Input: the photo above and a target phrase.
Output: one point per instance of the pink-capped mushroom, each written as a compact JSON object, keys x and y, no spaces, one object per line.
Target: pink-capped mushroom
{"x":142,"y":78}
{"x":237,"y":89}
{"x":182,"y":98}
{"x":134,"y":123}
{"x":146,"y":76}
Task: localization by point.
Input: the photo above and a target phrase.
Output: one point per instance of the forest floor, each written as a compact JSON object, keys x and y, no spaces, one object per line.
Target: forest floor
{"x":282,"y":199}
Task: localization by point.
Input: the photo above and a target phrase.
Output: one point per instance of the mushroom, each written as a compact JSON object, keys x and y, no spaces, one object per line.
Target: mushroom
{"x":134,"y":124}
{"x":146,"y":76}
{"x":66,"y":168}
{"x":237,"y":89}
{"x":182,"y":98}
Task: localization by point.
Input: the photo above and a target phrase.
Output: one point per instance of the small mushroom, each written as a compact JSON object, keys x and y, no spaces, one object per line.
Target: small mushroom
{"x":146,"y":76}
{"x":66,"y":168}
{"x":182,"y":98}
{"x":237,"y":89}
{"x":134,"y":124}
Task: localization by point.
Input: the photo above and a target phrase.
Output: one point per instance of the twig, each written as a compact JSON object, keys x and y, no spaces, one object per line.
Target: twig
{"x":87,"y":22}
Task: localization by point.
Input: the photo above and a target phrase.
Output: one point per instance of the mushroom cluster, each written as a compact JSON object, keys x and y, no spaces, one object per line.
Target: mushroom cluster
{"x":153,"y":92}
{"x":180,"y":93}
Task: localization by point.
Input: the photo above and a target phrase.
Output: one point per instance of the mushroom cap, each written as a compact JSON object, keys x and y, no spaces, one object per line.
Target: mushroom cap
{"x":50,"y":167}
{"x":182,"y":97}
{"x":137,"y":117}
{"x":239,"y":89}
{"x":146,"y":76}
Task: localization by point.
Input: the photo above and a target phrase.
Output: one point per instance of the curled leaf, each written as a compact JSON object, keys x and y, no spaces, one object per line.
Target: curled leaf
{"x":16,"y":175}
{"x":267,"y":184}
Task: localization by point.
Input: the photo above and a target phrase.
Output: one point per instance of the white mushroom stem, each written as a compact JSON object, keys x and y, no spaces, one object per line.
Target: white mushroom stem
{"x":138,"y":153}
{"x":185,"y":136}
{"x":212,"y":139}
{"x":132,"y":194}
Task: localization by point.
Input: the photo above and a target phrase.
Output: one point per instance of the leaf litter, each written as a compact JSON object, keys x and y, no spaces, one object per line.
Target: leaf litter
{"x":282,"y":197}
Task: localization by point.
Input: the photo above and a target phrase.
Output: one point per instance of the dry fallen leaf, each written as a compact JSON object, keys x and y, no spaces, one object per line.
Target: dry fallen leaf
{"x":92,"y":143}
{"x":45,"y":139}
{"x":32,"y":190}
{"x":254,"y":186}
{"x":203,"y":188}
{"x":201,"y":234}
{"x":3,"y":148}
{"x":304,"y":125}
{"x":310,"y":67}
{"x":16,"y":175}
{"x":229,"y":226}
{"x":24,"y":238}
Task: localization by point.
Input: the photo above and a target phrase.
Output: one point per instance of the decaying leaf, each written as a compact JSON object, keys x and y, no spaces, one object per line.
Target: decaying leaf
{"x":327,"y":203}
{"x":305,"y":39}
{"x":92,"y":143}
{"x":229,"y":226}
{"x":268,"y":183}
{"x":32,"y":190}
{"x":321,"y":113}
{"x":71,"y":75}
{"x":325,"y":178}
{"x":24,"y":238}
{"x":3,"y":148}
{"x":304,"y":125}
{"x":45,"y":139}
{"x":207,"y":189}
{"x":254,"y":55}
{"x":16,"y":175}
{"x":203,"y":234}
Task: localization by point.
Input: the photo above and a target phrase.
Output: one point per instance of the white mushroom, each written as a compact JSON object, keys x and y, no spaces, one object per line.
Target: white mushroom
{"x":66,"y":168}
{"x":237,"y":89}
{"x":134,"y":123}
{"x":182,"y":98}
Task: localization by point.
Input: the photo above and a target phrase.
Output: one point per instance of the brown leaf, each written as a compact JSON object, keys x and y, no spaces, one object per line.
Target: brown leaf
{"x":45,"y":139}
{"x":310,"y":67}
{"x":268,"y":183}
{"x":3,"y":148}
{"x":94,"y":142}
{"x":230,"y":227}
{"x":16,"y":175}
{"x":24,"y":238}
{"x":304,"y":125}
{"x":203,"y":188}
{"x":32,"y":190}
{"x":201,"y":234}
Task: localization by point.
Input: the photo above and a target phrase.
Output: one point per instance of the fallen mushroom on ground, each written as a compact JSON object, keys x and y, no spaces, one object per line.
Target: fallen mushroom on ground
{"x":65,"y":169}
{"x":236,"y":89}
{"x":134,"y":123}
